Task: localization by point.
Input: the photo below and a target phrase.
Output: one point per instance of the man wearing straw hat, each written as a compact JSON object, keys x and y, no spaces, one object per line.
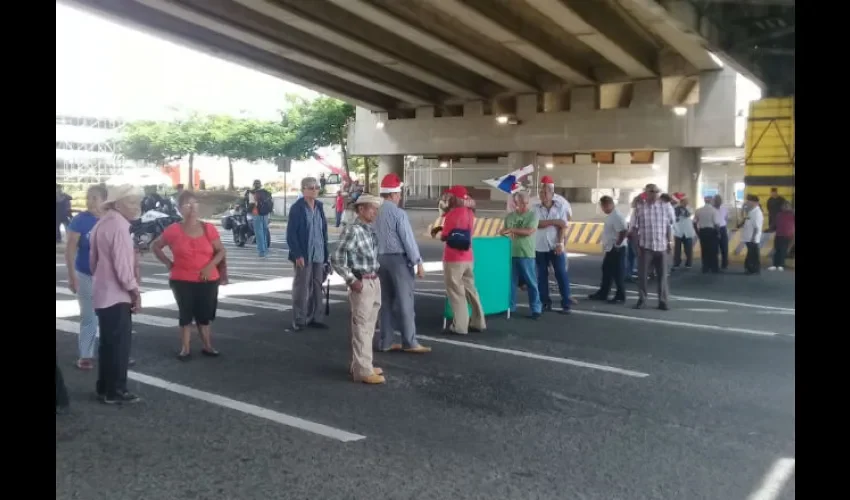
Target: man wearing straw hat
{"x":115,"y":288}
{"x":356,"y":261}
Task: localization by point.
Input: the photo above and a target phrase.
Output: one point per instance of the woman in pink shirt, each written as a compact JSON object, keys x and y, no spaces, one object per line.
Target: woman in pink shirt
{"x":197,"y":251}
{"x":458,"y":264}
{"x":115,"y":290}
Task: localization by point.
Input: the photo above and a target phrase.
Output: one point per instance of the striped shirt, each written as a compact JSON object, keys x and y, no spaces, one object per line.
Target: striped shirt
{"x":395,"y":236}
{"x":357,"y":251}
{"x":315,"y":234}
{"x":113,"y":261}
{"x":653,"y":225}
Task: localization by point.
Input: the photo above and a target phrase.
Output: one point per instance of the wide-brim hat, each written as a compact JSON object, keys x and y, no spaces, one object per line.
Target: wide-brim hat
{"x":118,"y":193}
{"x":368,"y":198}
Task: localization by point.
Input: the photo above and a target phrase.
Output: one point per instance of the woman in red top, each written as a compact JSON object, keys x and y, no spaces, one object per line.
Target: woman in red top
{"x":197,"y":252}
{"x":458,"y":266}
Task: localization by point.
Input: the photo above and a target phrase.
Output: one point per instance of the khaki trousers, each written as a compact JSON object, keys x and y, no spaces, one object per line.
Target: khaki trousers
{"x":365,"y":306}
{"x":460,"y":289}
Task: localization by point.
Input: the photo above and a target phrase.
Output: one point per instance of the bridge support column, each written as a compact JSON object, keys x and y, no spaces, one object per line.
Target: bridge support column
{"x":390,"y":164}
{"x":683,"y":172}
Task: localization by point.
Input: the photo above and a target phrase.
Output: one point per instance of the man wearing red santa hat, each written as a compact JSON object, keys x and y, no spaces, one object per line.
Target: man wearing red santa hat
{"x":398,"y":255}
{"x":553,"y":216}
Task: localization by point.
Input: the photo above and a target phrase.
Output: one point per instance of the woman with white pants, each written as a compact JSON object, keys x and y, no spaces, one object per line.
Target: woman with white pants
{"x":79,"y":272}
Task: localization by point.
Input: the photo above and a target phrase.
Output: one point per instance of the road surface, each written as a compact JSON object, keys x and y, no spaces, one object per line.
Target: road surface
{"x":608,"y":403}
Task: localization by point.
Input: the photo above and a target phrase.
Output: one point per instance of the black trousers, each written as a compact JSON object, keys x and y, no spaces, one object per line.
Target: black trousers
{"x":723,"y":243}
{"x":780,"y":250}
{"x":688,"y":244}
{"x":116,"y":326}
{"x":708,"y":243}
{"x":752,"y":262}
{"x":61,"y":391}
{"x":614,"y":271}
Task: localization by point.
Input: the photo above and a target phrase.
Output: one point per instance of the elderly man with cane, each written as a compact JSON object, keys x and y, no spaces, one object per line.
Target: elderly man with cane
{"x":398,"y":253}
{"x":307,"y":239}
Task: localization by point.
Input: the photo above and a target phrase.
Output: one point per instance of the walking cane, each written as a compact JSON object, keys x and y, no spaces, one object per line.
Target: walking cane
{"x":328,"y":297}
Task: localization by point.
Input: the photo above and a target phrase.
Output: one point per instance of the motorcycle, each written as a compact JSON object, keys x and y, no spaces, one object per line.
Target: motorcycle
{"x":241,"y":223}
{"x":149,"y":227}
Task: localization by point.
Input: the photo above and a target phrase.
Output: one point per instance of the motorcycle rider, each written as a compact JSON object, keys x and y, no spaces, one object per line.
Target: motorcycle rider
{"x":259,"y":203}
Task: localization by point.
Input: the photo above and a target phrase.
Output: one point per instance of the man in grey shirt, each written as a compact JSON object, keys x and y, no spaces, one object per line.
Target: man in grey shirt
{"x":307,"y":238}
{"x":398,"y":253}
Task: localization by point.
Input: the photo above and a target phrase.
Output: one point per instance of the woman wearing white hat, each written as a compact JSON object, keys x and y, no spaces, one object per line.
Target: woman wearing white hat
{"x":115,"y":290}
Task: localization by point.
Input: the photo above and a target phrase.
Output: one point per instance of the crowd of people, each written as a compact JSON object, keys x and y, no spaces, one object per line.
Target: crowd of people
{"x":379,"y":260}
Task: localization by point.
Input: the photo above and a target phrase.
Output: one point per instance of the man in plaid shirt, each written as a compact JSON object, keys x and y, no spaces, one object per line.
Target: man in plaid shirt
{"x":356,"y":260}
{"x":652,"y":225}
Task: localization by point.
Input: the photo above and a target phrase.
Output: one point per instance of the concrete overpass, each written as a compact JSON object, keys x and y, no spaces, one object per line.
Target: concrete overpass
{"x":511,"y":78}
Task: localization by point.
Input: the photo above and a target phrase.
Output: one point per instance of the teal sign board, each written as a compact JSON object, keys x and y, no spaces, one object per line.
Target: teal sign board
{"x":492,"y":268}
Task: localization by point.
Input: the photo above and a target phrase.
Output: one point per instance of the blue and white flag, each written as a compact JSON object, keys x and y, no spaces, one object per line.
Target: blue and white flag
{"x":509,"y":183}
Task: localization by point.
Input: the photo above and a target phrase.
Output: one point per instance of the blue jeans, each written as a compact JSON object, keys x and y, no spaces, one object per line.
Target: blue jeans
{"x":559,"y":264}
{"x":261,"y":225}
{"x":338,"y":218}
{"x":523,"y":267}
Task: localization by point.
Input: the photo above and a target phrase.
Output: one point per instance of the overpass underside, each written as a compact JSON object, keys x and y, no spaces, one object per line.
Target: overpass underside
{"x":394,"y":56}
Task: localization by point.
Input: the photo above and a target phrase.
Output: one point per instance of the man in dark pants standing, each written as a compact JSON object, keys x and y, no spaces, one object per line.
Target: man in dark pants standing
{"x":653,"y":226}
{"x":706,"y":225}
{"x":614,"y":245}
{"x":774,"y":206}
{"x":721,"y":219}
{"x":751,"y":234}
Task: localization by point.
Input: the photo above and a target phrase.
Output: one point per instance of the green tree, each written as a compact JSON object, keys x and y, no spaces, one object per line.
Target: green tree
{"x":311,"y":125}
{"x":162,"y":142}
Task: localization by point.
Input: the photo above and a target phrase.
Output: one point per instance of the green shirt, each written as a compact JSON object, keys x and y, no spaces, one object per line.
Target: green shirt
{"x":522,"y":246}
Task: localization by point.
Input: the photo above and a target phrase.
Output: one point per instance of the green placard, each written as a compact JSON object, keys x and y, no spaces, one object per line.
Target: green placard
{"x":492,"y":268}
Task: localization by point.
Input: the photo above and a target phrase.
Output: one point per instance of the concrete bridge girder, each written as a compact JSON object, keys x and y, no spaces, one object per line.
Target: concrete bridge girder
{"x":387,"y":55}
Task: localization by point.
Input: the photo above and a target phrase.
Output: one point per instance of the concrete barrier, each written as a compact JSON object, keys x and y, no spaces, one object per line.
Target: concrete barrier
{"x":586,"y":237}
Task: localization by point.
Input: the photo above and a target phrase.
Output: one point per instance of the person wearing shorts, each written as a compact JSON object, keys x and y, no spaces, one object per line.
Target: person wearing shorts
{"x":194,"y":273}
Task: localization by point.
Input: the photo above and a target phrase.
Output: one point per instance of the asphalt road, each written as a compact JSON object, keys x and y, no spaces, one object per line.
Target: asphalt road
{"x":608,"y":403}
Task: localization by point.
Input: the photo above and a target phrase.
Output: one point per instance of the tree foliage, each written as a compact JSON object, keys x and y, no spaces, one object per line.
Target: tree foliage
{"x":304,"y":127}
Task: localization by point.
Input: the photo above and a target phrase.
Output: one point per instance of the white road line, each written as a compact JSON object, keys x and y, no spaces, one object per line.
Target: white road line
{"x":695,"y":326}
{"x":68,"y":326}
{"x":698,"y":299}
{"x":775,"y":479}
{"x":698,"y":310}
{"x":60,"y":265}
{"x":219,"y":313}
{"x":247,"y":408}
{"x":256,"y":303}
{"x":542,"y":357}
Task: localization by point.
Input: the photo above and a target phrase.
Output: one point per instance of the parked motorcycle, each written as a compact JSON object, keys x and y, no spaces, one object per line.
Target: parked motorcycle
{"x":240,"y":223}
{"x":149,"y":227}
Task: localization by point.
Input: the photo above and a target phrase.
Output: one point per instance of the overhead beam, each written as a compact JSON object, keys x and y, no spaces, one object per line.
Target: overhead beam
{"x":591,"y":24}
{"x":273,"y":47}
{"x":133,"y":15}
{"x":681,"y":36}
{"x":474,"y":19}
{"x":435,"y":45}
{"x":292,"y":18}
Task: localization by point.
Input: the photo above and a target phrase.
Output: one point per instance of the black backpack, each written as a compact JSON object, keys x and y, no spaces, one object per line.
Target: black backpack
{"x":265,"y":204}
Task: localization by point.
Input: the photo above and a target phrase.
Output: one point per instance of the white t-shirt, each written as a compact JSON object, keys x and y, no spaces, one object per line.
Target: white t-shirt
{"x":614,"y":223}
{"x":753,"y":226}
{"x":546,"y":239}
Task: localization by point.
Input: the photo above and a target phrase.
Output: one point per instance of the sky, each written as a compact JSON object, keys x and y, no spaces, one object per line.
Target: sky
{"x":107,"y":69}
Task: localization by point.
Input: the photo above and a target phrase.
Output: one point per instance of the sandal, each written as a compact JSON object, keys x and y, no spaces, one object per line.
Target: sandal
{"x":210,"y":352}
{"x":184,"y":356}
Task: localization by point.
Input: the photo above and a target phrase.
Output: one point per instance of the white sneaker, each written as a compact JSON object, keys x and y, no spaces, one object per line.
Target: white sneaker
{"x":780,"y":268}
{"x":771,"y":268}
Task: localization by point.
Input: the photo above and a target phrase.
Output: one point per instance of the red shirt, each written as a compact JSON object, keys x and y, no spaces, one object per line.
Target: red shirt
{"x":190,"y":254}
{"x":785,"y":224}
{"x":340,"y":204}
{"x":457,"y":218}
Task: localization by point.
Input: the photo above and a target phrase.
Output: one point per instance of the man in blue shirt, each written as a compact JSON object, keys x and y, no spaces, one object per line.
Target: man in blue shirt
{"x":307,"y":239}
{"x":398,"y":253}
